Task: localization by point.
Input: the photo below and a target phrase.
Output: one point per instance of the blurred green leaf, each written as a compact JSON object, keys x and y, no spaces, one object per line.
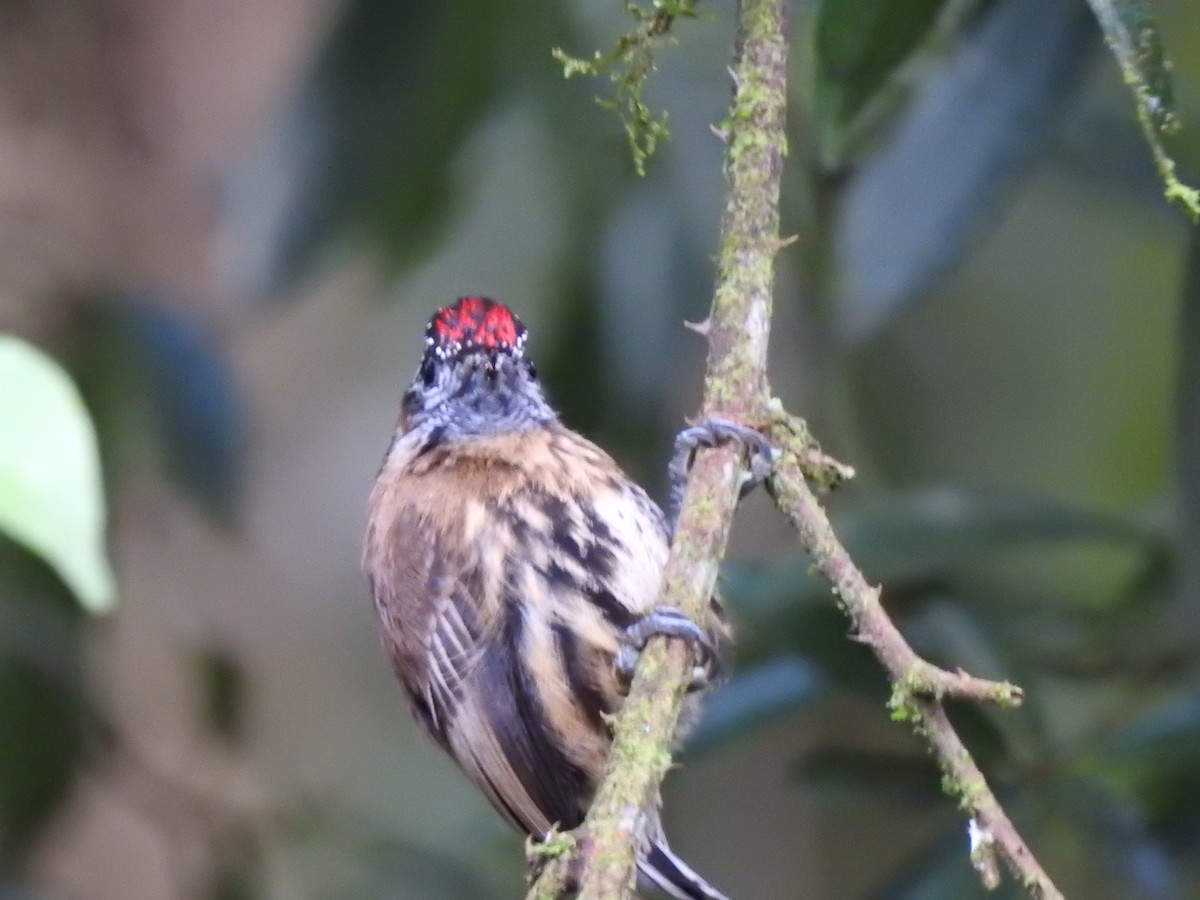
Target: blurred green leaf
{"x":903,"y":780}
{"x":373,"y":864}
{"x":859,"y":45}
{"x":197,"y":406}
{"x":1149,"y":751}
{"x":756,"y":697}
{"x":923,"y":535}
{"x":1090,"y":845}
{"x":953,"y":636}
{"x":162,"y":395}
{"x":974,"y":126}
{"x":1152,"y":759}
{"x":1124,"y":172}
{"x":390,"y":867}
{"x":1133,"y":637}
{"x":916,"y":544}
{"x":942,"y":871}
{"x":1168,"y":802}
{"x":815,"y":629}
{"x":39,"y":617}
{"x":397,"y":92}
{"x":40,"y":744}
{"x":44,"y":714}
{"x":51,"y":497}
{"x":920,"y":533}
{"x":1123,"y":855}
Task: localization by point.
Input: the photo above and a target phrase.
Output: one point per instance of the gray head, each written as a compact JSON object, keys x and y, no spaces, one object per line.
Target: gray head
{"x":474,"y":378}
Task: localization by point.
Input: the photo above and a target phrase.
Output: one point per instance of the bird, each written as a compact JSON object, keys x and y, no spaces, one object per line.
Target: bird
{"x":516,"y":570}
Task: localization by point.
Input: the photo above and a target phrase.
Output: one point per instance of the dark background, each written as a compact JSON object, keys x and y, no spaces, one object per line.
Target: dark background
{"x":230,"y":221}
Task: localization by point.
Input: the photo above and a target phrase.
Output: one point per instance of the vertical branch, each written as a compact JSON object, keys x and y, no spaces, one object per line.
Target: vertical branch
{"x":735,"y":388}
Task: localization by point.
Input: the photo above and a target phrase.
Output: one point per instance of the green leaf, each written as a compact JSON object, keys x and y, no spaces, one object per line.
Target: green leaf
{"x":51,"y":498}
{"x":44,"y":708}
{"x":1165,"y":735}
{"x":395,"y":95}
{"x":161,"y":396}
{"x":859,"y":45}
{"x":41,"y":744}
{"x":913,"y":543}
{"x":975,"y":124}
{"x":200,"y":420}
{"x":42,"y":704}
{"x":787,"y":610}
{"x":922,"y":533}
{"x":1132,"y":35}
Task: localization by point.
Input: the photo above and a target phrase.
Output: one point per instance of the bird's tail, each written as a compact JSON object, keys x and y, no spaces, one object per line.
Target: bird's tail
{"x":667,"y":871}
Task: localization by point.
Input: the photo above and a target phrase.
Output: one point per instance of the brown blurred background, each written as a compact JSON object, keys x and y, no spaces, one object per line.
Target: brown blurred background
{"x":230,"y":221}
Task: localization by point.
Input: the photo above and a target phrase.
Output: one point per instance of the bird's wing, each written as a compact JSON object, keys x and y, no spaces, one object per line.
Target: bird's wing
{"x":478,"y":658}
{"x":501,"y":658}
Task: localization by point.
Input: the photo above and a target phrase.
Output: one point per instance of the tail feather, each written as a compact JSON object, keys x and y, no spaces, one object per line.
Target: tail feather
{"x":667,"y":871}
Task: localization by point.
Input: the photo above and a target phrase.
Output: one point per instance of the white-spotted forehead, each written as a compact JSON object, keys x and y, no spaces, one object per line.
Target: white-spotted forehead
{"x":448,"y":350}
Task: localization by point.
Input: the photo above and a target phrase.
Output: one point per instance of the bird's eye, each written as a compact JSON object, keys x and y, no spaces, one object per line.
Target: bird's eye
{"x":427,"y":372}
{"x":531,"y":370}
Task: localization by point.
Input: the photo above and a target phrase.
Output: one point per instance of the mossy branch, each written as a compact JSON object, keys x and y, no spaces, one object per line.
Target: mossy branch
{"x":918,"y":687}
{"x":604,"y":863}
{"x":1132,"y":36}
{"x":599,"y":862}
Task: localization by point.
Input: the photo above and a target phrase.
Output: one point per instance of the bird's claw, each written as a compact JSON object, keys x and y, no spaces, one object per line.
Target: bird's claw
{"x":760,"y":456}
{"x":667,"y":621}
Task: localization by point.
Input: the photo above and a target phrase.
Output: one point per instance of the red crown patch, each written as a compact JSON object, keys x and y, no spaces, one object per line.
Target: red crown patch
{"x":475,"y":322}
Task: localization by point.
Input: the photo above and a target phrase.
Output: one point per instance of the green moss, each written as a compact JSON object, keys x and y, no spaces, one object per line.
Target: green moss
{"x":629,"y":65}
{"x":556,"y":843}
{"x":901,"y":706}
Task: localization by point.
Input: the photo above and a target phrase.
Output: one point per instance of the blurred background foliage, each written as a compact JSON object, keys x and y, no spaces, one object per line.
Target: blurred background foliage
{"x":228,"y":221}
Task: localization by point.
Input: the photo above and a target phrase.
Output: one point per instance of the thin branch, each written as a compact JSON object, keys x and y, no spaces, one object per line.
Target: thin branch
{"x":598,"y":861}
{"x":1133,"y":37}
{"x":918,"y":687}
{"x":603,"y":863}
